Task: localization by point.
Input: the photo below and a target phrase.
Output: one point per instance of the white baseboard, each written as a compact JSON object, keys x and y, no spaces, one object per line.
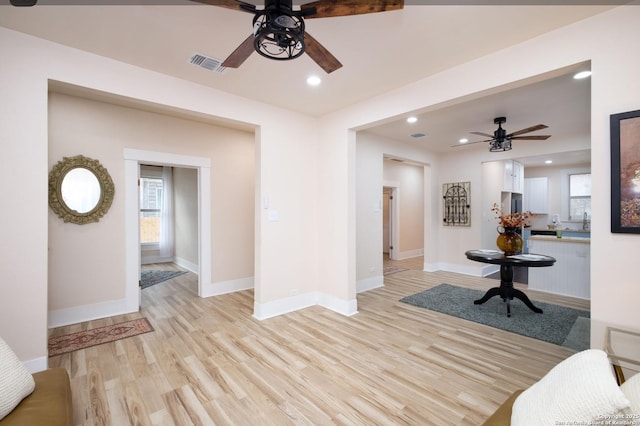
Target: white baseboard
{"x":476,"y":271}
{"x":290,"y":304}
{"x":189,"y":266}
{"x":284,"y":306}
{"x":369,"y":283}
{"x":37,"y":364}
{"x":145,"y":260}
{"x":430,"y":267}
{"x":61,"y":317}
{"x":489,"y":269}
{"x":410,"y":254}
{"x":344,"y":307}
{"x":78,"y":314}
{"x":224,"y":287}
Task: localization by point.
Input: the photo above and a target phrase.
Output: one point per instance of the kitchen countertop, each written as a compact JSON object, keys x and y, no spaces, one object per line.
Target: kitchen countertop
{"x":563,"y":229}
{"x":561,"y":240}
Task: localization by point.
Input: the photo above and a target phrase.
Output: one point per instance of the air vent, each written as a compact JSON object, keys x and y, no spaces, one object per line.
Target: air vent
{"x":208,"y":63}
{"x":417,"y":135}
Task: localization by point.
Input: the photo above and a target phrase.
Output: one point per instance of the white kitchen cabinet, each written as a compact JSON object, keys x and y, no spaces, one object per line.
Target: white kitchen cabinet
{"x":518,"y":177}
{"x":536,"y":195}
{"x":507,"y":184}
{"x":513,"y":176}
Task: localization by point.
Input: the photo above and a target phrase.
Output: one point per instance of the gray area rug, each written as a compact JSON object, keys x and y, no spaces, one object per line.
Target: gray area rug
{"x":558,"y":324}
{"x":155,"y":276}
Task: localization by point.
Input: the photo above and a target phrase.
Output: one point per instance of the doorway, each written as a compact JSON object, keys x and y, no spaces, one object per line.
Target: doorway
{"x":403,"y":205}
{"x":133,"y":160}
{"x":168,"y":222}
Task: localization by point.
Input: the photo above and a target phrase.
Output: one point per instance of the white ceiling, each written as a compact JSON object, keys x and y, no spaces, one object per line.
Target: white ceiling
{"x":379,"y":52}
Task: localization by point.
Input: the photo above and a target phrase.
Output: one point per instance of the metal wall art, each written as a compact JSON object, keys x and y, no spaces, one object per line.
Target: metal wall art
{"x":456,"y":199}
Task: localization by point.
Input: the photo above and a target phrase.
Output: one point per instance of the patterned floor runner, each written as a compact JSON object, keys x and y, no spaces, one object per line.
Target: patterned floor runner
{"x":59,"y":345}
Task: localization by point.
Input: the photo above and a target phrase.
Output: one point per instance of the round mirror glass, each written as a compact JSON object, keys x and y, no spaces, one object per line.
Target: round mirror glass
{"x":80,"y":190}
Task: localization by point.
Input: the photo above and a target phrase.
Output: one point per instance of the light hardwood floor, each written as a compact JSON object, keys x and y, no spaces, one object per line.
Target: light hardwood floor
{"x":210,"y":362}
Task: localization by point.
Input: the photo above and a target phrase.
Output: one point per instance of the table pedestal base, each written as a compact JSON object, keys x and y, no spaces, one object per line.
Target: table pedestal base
{"x":507,"y":292}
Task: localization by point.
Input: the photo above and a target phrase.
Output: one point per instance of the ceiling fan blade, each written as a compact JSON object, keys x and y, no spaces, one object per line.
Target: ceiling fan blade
{"x":229,"y":4}
{"x":531,"y":138}
{"x":482,"y":134}
{"x":320,"y":54}
{"x":241,"y":53}
{"x":329,"y":8}
{"x":527,"y":130}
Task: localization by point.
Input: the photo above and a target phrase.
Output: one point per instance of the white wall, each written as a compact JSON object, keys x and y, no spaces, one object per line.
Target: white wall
{"x":369,"y":171}
{"x":408,"y":180}
{"x":317,"y":226}
{"x":24,"y":123}
{"x":23,"y":247}
{"x":85,"y":262}
{"x":603,"y":40}
{"x":371,"y":175}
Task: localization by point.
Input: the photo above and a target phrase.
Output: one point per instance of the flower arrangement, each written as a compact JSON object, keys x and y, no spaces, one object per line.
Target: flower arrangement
{"x":512,"y":220}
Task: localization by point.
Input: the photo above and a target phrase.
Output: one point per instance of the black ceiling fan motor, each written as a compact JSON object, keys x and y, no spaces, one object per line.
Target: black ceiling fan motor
{"x":500,"y":134}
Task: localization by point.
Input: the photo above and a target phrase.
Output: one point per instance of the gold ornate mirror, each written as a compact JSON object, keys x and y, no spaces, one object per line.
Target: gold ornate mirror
{"x":80,"y":190}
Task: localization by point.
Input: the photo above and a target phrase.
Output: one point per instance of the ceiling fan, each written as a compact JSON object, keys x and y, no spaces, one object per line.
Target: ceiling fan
{"x":501,"y":140}
{"x":279,"y":30}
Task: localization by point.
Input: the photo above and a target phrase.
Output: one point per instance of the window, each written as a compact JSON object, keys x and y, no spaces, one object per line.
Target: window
{"x":579,"y":196}
{"x":150,"y":210}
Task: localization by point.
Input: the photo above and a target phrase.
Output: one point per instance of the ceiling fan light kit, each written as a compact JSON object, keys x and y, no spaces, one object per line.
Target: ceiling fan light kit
{"x":279,"y":31}
{"x":496,"y":146}
{"x":500,"y":141}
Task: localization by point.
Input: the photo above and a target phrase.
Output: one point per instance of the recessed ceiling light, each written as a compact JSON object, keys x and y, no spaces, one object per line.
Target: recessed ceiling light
{"x":412,"y":119}
{"x":548,"y":162}
{"x":463,"y":140}
{"x":314,"y":80}
{"x":582,"y":74}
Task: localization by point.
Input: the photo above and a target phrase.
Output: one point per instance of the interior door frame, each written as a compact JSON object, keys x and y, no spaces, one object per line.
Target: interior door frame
{"x":394,"y":222}
{"x":133,"y":158}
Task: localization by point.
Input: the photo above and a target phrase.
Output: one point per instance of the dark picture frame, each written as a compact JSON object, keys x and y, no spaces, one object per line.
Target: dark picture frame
{"x":625,"y":172}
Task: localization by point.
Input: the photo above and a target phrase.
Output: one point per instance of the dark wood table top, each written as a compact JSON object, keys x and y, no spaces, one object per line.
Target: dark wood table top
{"x":497,"y":257}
